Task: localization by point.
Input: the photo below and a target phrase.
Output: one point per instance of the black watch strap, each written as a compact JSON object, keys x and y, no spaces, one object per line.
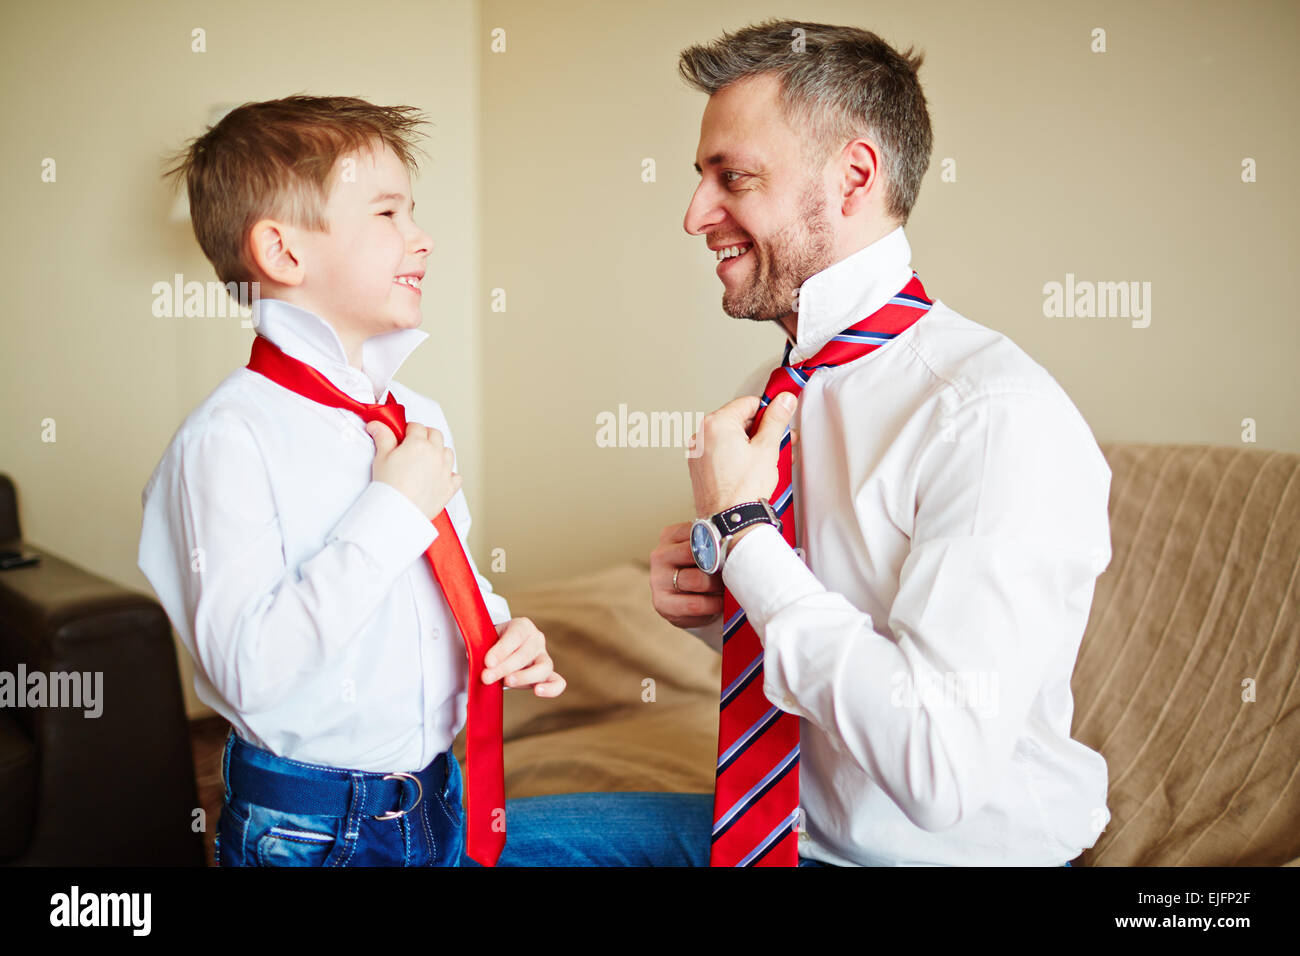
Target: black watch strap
{"x":743,"y":515}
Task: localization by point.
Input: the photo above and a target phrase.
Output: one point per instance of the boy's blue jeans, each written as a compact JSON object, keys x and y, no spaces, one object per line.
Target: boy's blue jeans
{"x":611,"y":829}
{"x":281,"y":812}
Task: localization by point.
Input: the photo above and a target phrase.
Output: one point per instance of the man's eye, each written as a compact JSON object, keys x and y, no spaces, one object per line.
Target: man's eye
{"x":731,"y":172}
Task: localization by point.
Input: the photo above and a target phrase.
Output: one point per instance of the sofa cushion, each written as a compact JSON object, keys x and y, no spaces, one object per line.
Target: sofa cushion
{"x":640,"y":709}
{"x":1187,"y":677}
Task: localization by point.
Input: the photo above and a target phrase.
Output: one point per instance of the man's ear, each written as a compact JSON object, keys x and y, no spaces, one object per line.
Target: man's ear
{"x":862,"y":179}
{"x":274,"y":250}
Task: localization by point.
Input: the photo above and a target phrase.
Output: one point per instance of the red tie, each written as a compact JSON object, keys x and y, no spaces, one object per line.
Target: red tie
{"x":756,"y":793}
{"x":484,"y":765}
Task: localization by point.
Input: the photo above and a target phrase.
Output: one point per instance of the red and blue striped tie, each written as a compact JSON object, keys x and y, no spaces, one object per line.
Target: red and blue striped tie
{"x":756,"y":798}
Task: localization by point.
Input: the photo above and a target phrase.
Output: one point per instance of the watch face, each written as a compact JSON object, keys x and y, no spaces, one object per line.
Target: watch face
{"x":704,"y":548}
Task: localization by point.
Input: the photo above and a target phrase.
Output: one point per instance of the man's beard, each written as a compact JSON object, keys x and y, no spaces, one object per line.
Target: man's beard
{"x":800,"y":249}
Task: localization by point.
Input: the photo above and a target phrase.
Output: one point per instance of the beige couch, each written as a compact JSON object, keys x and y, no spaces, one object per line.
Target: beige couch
{"x":1198,"y":605}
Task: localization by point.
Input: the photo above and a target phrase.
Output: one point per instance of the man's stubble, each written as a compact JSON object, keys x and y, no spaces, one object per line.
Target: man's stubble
{"x":798,"y":250}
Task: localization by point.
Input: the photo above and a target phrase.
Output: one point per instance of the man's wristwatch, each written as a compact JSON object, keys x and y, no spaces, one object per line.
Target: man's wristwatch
{"x":711,"y":537}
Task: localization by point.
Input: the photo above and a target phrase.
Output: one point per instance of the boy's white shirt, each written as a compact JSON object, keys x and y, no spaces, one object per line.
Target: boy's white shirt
{"x":297,"y":583}
{"x":953,"y":505}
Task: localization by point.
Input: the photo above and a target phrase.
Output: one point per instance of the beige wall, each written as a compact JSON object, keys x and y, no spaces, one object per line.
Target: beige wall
{"x":1116,"y":166}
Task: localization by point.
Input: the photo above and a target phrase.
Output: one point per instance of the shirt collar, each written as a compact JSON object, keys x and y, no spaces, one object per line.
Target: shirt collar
{"x":304,"y":335}
{"x":846,"y":292}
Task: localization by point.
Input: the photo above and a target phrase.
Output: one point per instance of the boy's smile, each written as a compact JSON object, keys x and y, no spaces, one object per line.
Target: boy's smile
{"x":363,"y":275}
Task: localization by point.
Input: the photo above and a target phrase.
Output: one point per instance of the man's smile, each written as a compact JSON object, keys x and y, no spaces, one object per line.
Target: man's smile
{"x":727,"y":255}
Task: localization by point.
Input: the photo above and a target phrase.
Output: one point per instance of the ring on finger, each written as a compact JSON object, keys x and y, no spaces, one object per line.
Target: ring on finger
{"x":676,"y":587}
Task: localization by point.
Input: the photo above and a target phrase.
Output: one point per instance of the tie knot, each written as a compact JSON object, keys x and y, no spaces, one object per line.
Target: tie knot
{"x":391,"y":413}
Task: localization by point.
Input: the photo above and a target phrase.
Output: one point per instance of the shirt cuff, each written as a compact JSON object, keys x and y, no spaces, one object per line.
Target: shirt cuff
{"x":710,"y":634}
{"x":498,"y":608}
{"x":764,"y":575}
{"x":388,"y":527}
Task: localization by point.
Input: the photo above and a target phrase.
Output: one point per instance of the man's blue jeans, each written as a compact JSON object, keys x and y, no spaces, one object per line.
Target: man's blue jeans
{"x":281,"y":824}
{"x":610,"y":829}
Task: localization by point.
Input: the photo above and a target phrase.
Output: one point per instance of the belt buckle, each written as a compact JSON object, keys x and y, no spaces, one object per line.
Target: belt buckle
{"x":419,"y":795}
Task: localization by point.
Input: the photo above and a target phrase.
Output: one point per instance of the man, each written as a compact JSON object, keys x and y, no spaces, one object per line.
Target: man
{"x":899,"y":594}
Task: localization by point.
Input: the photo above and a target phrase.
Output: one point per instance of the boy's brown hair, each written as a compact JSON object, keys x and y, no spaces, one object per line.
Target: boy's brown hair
{"x":273,"y":160}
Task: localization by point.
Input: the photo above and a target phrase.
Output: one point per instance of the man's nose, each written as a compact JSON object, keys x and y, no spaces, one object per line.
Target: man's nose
{"x":702,"y":212}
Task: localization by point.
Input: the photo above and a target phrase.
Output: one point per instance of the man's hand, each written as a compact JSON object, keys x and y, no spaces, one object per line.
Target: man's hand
{"x":697,"y":599}
{"x":520,"y":657}
{"x":727,"y":466}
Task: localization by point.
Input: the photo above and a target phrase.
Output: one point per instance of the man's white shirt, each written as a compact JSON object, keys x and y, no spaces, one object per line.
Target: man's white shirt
{"x":951,"y":503}
{"x":297,"y":583}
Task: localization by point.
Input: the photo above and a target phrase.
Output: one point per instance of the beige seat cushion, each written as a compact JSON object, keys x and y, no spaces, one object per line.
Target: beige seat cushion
{"x":610,"y":729}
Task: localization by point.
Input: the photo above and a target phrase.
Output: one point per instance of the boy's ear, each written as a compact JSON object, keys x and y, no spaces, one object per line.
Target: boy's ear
{"x":272,"y":247}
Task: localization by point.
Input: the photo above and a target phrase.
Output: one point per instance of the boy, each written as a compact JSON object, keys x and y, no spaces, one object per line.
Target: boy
{"x":286,"y":526}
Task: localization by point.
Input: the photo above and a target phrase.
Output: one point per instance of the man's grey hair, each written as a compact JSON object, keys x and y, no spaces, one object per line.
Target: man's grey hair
{"x":837,"y":83}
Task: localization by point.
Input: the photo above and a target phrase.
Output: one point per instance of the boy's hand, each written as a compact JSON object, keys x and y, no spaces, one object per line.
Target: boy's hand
{"x":420,"y":467}
{"x":520,"y":657}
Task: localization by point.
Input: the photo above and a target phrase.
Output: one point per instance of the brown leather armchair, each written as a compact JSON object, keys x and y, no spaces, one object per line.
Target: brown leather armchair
{"x":117,"y":789}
